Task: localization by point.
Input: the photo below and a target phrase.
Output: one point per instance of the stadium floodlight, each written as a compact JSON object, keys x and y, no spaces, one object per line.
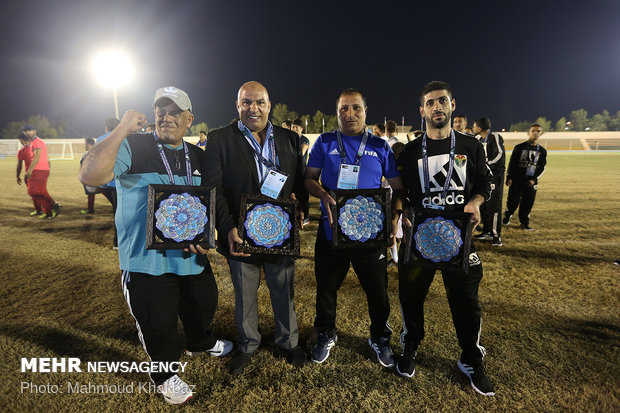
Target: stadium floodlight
{"x":114,"y":69}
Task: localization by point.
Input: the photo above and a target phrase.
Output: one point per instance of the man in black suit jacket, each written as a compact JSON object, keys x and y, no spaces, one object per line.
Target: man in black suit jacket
{"x":237,"y":160}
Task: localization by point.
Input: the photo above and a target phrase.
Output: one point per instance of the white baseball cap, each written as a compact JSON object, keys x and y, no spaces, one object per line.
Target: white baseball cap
{"x":176,"y":95}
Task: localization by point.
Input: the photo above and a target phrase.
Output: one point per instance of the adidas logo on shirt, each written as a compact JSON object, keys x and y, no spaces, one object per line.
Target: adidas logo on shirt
{"x":334,"y":152}
{"x":196,"y":172}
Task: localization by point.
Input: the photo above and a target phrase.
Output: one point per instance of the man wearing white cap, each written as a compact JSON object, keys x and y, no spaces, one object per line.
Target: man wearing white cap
{"x":159,"y":285}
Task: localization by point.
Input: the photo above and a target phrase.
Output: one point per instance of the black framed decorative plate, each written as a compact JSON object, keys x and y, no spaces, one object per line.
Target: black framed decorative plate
{"x":362,"y":218}
{"x":268,"y":226}
{"x":438,"y":239}
{"x":180,"y":215}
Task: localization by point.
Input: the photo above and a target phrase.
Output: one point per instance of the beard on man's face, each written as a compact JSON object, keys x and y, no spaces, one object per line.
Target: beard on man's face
{"x":438,"y":124}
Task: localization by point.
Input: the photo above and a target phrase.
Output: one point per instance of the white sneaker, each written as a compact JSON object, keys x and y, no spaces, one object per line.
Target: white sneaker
{"x":175,"y":390}
{"x":221,"y":348}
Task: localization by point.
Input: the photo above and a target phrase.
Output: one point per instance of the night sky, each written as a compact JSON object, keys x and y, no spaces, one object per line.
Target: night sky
{"x":506,"y":60}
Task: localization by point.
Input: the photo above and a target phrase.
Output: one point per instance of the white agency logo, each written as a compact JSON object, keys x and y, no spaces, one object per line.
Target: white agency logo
{"x":438,"y":171}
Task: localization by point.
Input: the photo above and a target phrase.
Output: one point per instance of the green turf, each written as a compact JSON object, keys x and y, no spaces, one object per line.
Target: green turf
{"x":550,"y":302}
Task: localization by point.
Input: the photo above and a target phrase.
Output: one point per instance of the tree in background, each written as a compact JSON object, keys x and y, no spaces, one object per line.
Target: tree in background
{"x":522,"y":126}
{"x":46,"y":128}
{"x":195,"y":129}
{"x":280,"y":113}
{"x":560,"y":125}
{"x":543,"y":122}
{"x":599,"y":122}
{"x":614,"y":122}
{"x":578,"y":119}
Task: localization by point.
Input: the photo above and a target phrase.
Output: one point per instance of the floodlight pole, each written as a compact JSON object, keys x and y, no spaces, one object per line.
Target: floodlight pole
{"x":116,"y":103}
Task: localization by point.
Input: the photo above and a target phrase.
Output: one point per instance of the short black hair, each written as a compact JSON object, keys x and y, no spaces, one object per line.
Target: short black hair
{"x":535,"y":124}
{"x":203,"y":132}
{"x":351,"y":91}
{"x":288,"y":122}
{"x":460,"y":116}
{"x":298,"y":122}
{"x":381,"y":127}
{"x":483,"y":123}
{"x":433,"y":86}
{"x":111,"y":123}
{"x":89,"y":141}
{"x":390,"y":126}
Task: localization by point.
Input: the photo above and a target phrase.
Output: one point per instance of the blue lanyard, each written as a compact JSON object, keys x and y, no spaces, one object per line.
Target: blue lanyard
{"x":427,"y":179}
{"x":269,"y":163}
{"x":360,"y":151}
{"x":536,"y":156}
{"x":188,"y":165}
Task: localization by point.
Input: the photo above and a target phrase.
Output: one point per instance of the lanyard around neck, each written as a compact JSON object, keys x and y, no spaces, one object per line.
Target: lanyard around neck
{"x":188,"y":165}
{"x":427,"y":179}
{"x":360,"y":151}
{"x":269,"y":163}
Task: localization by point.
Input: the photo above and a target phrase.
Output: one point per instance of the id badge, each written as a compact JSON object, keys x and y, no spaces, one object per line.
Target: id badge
{"x":531,"y":170}
{"x":273,"y":184}
{"x":348,"y":176}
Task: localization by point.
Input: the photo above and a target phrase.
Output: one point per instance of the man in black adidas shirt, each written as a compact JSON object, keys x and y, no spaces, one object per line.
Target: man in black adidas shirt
{"x":527,"y":164}
{"x":470,"y":186}
{"x":491,"y":211}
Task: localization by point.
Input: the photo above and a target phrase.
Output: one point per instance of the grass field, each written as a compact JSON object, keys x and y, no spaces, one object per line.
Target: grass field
{"x":550,"y":299}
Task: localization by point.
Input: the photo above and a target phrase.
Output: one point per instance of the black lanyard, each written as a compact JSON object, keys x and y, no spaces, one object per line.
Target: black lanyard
{"x":360,"y":151}
{"x":188,"y":165}
{"x":427,"y":179}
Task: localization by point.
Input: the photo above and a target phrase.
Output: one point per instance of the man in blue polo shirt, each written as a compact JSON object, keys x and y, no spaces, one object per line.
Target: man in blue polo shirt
{"x":368,"y":158}
{"x":159,"y":285}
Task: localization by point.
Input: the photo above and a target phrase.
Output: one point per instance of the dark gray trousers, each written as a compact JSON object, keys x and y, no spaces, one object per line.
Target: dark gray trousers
{"x":280,"y":276}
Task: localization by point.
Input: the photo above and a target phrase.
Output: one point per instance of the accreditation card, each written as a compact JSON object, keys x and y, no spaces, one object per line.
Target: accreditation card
{"x":348,"y":176}
{"x":272,"y":186}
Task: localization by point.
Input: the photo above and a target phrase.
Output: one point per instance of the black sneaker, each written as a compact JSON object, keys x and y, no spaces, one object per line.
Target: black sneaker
{"x":526,"y":227}
{"x":295,"y":356}
{"x":382,"y":348}
{"x":239,"y":362}
{"x":405,"y":366}
{"x":478,"y":379}
{"x":506,"y":220}
{"x":320,"y":351}
{"x":497,"y":242}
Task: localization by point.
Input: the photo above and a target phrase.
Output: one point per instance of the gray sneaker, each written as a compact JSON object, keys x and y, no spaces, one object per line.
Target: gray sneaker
{"x":175,"y":390}
{"x":320,"y":351}
{"x":384,"y":353}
